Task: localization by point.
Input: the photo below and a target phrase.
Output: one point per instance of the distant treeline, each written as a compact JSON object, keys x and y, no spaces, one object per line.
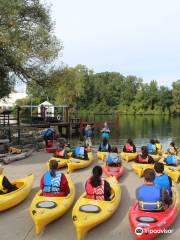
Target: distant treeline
{"x":104,"y":92}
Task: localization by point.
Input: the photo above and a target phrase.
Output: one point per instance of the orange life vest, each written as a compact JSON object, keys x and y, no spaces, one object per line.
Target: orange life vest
{"x":96,"y":193}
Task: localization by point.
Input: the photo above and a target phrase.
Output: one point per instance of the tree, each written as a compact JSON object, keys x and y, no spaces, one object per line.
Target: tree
{"x":27,"y":43}
{"x":164,"y":98}
{"x":176,"y":95}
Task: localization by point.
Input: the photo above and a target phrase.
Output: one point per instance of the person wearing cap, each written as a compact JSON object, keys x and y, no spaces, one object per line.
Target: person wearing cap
{"x":5,"y":185}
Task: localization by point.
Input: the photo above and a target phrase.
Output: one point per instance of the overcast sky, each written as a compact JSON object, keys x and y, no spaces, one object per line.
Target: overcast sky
{"x":137,"y":37}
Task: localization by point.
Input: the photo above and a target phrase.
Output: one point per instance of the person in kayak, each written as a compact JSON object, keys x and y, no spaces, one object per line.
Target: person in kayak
{"x":104,"y":146}
{"x":151,"y":196}
{"x":171,"y":160}
{"x":158,"y":146}
{"x":113,"y":158}
{"x":129,"y":146}
{"x":48,"y":136}
{"x":5,"y":185}
{"x":105,"y":131}
{"x":172,"y":149}
{"x":152,"y":147}
{"x":80,"y":152}
{"x":97,"y":187}
{"x":61,"y":151}
{"x":162,"y":179}
{"x":144,"y":157}
{"x":54,"y":183}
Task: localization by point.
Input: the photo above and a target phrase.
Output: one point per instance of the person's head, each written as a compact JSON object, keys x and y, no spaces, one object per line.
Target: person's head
{"x":152,"y":141}
{"x":144,"y":150}
{"x":172,"y":144}
{"x":130,"y":141}
{"x":105,"y":124}
{"x":114,"y":149}
{"x":53,"y":166}
{"x":105,"y":141}
{"x":149,"y":175}
{"x":96,"y":176}
{"x":1,"y":169}
{"x":159,"y":167}
{"x":157,"y":141}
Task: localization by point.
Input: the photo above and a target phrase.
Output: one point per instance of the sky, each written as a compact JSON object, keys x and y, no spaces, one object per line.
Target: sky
{"x":133,"y":37}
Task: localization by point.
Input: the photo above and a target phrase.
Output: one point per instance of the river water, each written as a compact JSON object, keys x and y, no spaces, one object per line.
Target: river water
{"x":139,"y":128}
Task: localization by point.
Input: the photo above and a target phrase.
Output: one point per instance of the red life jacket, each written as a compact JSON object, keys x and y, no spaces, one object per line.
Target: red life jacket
{"x":49,"y":143}
{"x":141,"y":159}
{"x":128,"y":147}
{"x":96,"y":193}
{"x":60,"y":153}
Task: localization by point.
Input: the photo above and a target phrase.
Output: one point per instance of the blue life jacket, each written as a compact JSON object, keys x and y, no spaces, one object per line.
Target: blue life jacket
{"x":48,"y":132}
{"x":171,"y":160}
{"x":163,"y":181}
{"x":79,"y":152}
{"x":149,"y":197}
{"x":105,"y":135}
{"x":104,"y":148}
{"x":151,"y":148}
{"x":113,"y":158}
{"x":52,"y":184}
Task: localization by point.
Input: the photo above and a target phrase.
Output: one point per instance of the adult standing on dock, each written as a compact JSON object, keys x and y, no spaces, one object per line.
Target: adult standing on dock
{"x":105,"y":131}
{"x":88,"y":134}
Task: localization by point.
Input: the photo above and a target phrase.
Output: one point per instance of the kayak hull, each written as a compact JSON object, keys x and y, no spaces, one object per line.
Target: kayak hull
{"x":139,"y":168}
{"x":128,"y":156}
{"x":84,"y":221}
{"x":61,"y":162}
{"x":117,"y":172}
{"x":75,"y":164}
{"x":160,"y":220}
{"x":12,"y":199}
{"x":102,"y":155}
{"x":43,"y":216}
{"x":173,"y":172}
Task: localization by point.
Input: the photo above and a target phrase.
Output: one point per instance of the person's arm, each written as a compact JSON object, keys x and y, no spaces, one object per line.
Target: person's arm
{"x":7,"y":185}
{"x":42,"y":183}
{"x":165,"y":197}
{"x":170,"y":181}
{"x":124,"y":149}
{"x":107,"y":190}
{"x":134,"y":148}
{"x":64,"y":187}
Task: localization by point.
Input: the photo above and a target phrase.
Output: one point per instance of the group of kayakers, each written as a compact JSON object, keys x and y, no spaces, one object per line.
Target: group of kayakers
{"x":154,"y":194}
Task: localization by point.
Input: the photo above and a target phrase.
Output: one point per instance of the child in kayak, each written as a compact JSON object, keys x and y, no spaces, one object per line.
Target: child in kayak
{"x":151,"y":196}
{"x":54,"y":183}
{"x":5,"y":185}
{"x":104,"y":146}
{"x":80,"y":152}
{"x":162,"y":179}
{"x":105,"y":131}
{"x":144,"y":157}
{"x":61,"y":151}
{"x":129,"y":146}
{"x":158,"y":146}
{"x":113,"y":158}
{"x":152,"y":147}
{"x":172,"y":149}
{"x":97,"y":187}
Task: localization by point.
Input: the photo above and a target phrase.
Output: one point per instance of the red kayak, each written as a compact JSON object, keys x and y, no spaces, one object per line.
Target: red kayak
{"x":51,"y":149}
{"x":148,"y":225}
{"x":113,"y":171}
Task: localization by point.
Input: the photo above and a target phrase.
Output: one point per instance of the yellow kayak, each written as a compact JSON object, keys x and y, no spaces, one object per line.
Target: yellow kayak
{"x":61,"y":162}
{"x":75,"y":164}
{"x":88,"y":213}
{"x":139,"y":168}
{"x":156,"y":157}
{"x":12,"y":199}
{"x":45,"y":210}
{"x":102,"y":155}
{"x":128,"y":156}
{"x":173,"y":172}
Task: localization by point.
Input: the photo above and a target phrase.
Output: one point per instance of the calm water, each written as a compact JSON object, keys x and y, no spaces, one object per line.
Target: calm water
{"x":140,"y":128}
